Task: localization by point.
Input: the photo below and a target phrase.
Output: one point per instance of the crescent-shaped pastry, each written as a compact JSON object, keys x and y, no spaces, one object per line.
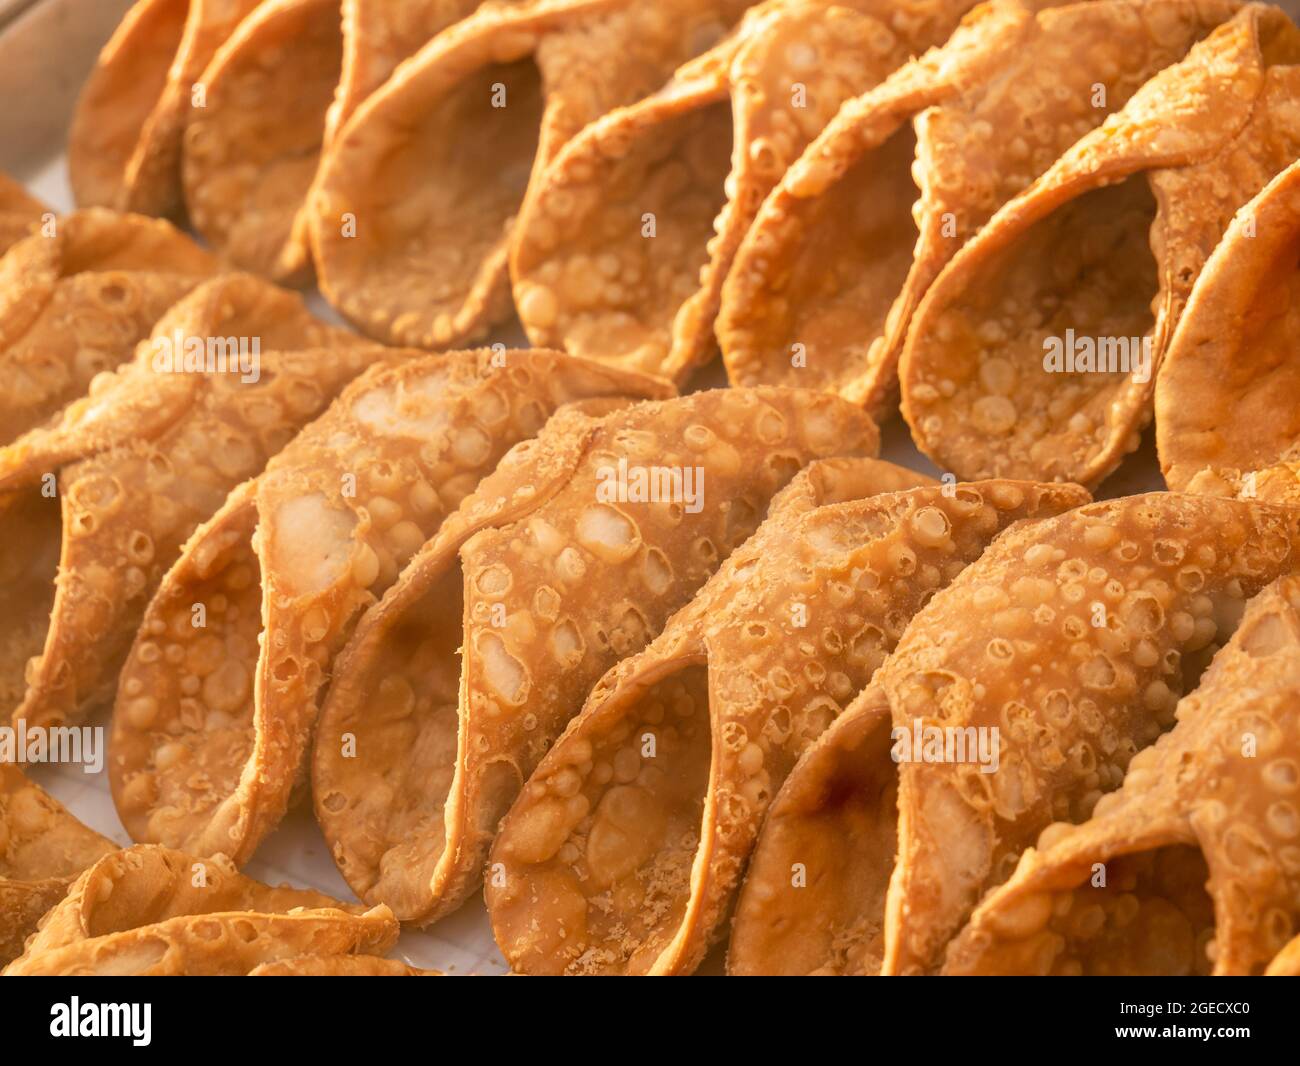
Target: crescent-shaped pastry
{"x":1034,"y":353}
{"x":74,"y":303}
{"x":97,"y":503}
{"x":218,"y":699}
{"x":148,"y":884}
{"x":1191,"y":866}
{"x":1228,"y":393}
{"x":19,"y":212}
{"x":124,"y":148}
{"x":412,"y":217}
{"x":679,"y":749}
{"x":622,"y":250}
{"x":572,"y":556}
{"x":277,"y":93}
{"x":42,"y":848}
{"x":220,"y":944}
{"x":825,"y":284}
{"x":1016,"y":698}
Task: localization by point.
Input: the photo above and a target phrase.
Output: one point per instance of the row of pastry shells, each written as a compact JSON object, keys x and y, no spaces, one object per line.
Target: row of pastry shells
{"x":823,"y":194}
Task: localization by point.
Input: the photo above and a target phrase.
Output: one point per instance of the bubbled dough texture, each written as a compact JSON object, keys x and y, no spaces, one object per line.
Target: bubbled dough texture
{"x":1172,"y":573}
{"x":377,"y":38}
{"x":540,"y":921}
{"x":580,"y":585}
{"x":212,"y":723}
{"x":1201,"y":137}
{"x":799,"y":277}
{"x":252,"y":151}
{"x":42,"y":847}
{"x":699,"y":156}
{"x":147,"y":884}
{"x":76,"y":304}
{"x":428,"y":263}
{"x":770,"y":690}
{"x":340,"y":966}
{"x":124,"y":148}
{"x":844,"y":788}
{"x":141,"y":461}
{"x":1199,"y":801}
{"x":1228,"y":397}
{"x":222,"y":944}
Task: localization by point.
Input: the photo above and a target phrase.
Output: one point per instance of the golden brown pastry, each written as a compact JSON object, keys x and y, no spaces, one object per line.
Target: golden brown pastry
{"x":415,"y":206}
{"x":1228,"y":394}
{"x":216,"y":944}
{"x":97,"y":502}
{"x":1016,"y":698}
{"x":42,"y":848}
{"x":1190,"y":867}
{"x":124,"y":147}
{"x":74,"y":303}
{"x":1034,"y":353}
{"x":278,"y":92}
{"x":679,"y":749}
{"x":219,"y":696}
{"x":572,"y":556}
{"x":147,"y":884}
{"x":826,"y":282}
{"x":622,"y":250}
{"x":340,"y":966}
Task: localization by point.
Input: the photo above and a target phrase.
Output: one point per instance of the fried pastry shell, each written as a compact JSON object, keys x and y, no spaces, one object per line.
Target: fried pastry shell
{"x":75,"y":303}
{"x":96,"y":503}
{"x":850,"y":240}
{"x":42,"y":849}
{"x":412,"y":218}
{"x":1228,"y":394}
{"x":1035,"y":352}
{"x":1190,"y":867}
{"x":1092,"y":625}
{"x":693,"y":162}
{"x":219,"y":697}
{"x":729,"y":696}
{"x":124,"y":148}
{"x":456,"y":684}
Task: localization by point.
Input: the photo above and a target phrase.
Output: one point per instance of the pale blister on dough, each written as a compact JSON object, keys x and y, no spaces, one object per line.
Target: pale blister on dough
{"x":19,"y":212}
{"x":825,"y":284}
{"x":1106,"y":244}
{"x":42,"y":848}
{"x":76,"y":302}
{"x":221,"y":944}
{"x":102,"y":498}
{"x":340,"y":966}
{"x":1191,"y":866}
{"x":213,"y":721}
{"x":124,"y":148}
{"x":1090,"y":627}
{"x":412,"y":217}
{"x":544,"y":582}
{"x":1228,"y":394}
{"x":694,"y":161}
{"x":739,"y":684}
